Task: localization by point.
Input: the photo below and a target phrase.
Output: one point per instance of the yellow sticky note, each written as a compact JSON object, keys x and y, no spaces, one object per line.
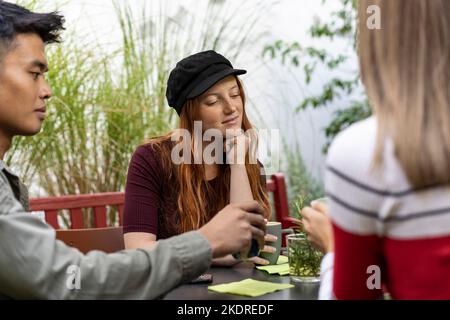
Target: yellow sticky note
{"x":281,"y":269}
{"x":249,"y":287}
{"x":282,"y":259}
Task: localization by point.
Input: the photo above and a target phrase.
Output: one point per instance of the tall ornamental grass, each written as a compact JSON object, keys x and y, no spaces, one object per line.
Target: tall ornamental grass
{"x":107,"y":103}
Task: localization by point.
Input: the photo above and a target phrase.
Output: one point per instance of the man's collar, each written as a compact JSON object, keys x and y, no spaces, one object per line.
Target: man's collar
{"x":4,"y":167}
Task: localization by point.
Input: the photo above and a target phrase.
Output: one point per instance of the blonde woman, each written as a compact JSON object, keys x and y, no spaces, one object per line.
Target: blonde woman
{"x":388,"y":176}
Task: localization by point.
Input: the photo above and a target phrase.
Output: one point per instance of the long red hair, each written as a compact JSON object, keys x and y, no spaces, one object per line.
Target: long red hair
{"x":190,"y":177}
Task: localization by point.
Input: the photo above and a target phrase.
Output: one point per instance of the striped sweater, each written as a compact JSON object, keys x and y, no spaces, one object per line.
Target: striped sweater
{"x":382,"y":226}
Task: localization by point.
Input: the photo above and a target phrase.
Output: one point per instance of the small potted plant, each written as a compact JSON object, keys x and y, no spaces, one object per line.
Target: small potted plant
{"x":304,"y":258}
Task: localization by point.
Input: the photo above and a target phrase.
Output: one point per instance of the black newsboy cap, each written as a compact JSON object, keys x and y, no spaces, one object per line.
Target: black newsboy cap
{"x":195,"y":74}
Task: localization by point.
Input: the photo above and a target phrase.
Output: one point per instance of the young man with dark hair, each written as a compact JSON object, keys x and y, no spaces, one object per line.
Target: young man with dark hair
{"x":35,"y":265}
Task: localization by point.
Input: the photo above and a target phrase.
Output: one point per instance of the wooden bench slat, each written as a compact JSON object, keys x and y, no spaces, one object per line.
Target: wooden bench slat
{"x":99,"y":201}
{"x":120,"y":208}
{"x":76,"y":218}
{"x":51,"y":217}
{"x":100,"y":216}
{"x":77,"y":201}
{"x":281,"y":203}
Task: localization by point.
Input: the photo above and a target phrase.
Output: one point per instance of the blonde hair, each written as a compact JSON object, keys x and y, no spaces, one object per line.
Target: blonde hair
{"x":405,"y":67}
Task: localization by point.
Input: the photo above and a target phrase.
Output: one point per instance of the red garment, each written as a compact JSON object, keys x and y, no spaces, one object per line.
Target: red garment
{"x":151,"y":196}
{"x":410,"y":269}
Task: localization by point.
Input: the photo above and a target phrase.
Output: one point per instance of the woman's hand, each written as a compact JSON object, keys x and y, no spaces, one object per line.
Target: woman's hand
{"x":267,"y":248}
{"x":317,"y":224}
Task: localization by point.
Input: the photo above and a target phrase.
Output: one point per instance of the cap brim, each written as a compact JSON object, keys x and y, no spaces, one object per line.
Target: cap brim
{"x":203,"y":86}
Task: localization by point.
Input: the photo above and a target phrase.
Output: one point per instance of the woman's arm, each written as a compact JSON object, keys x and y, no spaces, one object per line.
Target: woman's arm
{"x":355,"y":259}
{"x":317,"y":224}
{"x":237,"y":148}
{"x":142,"y":199}
{"x":240,"y":189}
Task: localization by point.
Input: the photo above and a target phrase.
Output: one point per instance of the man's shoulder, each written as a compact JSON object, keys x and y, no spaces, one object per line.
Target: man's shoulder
{"x":4,"y":182}
{"x":4,"y":169}
{"x":13,"y":183}
{"x":8,"y":202}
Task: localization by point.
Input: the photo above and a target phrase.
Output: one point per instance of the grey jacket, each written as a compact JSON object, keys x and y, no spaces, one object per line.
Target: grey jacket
{"x":34,"y":265}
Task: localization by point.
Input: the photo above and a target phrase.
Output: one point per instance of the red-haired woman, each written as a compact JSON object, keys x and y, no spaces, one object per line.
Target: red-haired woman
{"x":166,"y":196}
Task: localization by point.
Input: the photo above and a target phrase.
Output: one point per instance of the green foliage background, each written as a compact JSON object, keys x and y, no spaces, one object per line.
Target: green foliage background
{"x":106,"y":103}
{"x":341,"y":25}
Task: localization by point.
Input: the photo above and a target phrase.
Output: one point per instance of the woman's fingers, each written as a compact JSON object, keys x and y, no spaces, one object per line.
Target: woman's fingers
{"x":269,"y":249}
{"x":306,"y":225}
{"x":308,"y":213}
{"x":320,"y":206}
{"x":270,"y":238}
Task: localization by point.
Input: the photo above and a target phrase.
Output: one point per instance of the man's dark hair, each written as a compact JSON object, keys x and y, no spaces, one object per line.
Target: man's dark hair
{"x":15,"y":19}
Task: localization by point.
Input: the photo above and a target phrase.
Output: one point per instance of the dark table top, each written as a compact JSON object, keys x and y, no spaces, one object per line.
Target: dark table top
{"x":244,"y":270}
